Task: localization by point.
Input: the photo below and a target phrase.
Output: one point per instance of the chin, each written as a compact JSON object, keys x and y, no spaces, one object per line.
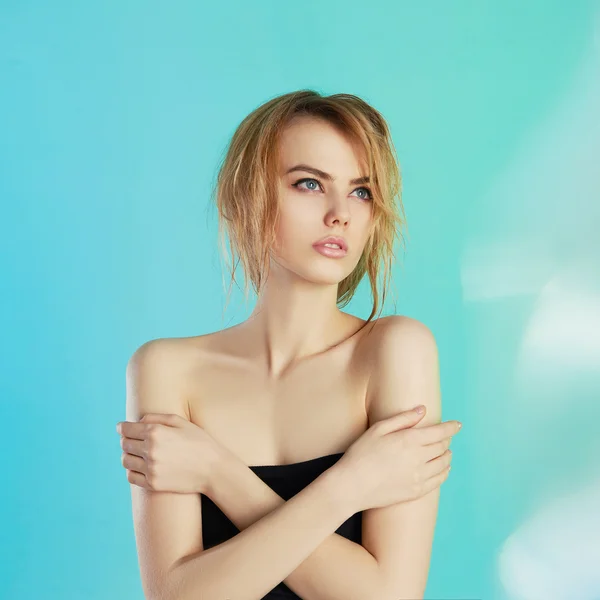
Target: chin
{"x":325,"y":272}
{"x":324,"y":275}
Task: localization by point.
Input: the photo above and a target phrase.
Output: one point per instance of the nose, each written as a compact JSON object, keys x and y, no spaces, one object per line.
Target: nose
{"x":338,"y":214}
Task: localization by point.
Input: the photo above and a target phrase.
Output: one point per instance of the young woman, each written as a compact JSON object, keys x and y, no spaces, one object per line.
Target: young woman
{"x":283,"y":457}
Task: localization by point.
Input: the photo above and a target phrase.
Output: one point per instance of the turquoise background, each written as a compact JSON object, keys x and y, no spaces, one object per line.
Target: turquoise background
{"x":112,"y":118}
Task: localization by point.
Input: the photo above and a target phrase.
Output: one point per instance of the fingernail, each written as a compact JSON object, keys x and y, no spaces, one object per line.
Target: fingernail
{"x":459,"y":425}
{"x":420,"y":409}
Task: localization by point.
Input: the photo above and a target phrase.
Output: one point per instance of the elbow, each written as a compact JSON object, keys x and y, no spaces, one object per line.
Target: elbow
{"x":398,"y":594}
{"x":381,"y":589}
{"x":167,"y":587}
{"x":182,"y":583}
{"x":401,"y":588}
{"x":162,"y":592}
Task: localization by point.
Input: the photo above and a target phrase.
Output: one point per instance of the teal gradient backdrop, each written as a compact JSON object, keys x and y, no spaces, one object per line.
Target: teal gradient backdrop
{"x":113,"y":116}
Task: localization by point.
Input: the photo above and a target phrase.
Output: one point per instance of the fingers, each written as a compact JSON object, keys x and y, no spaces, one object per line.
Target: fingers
{"x":437,"y":465}
{"x":435,"y":481}
{"x":135,"y":463}
{"x":137,"y":430}
{"x":400,"y":420}
{"x":429,"y":434}
{"x":136,"y":478}
{"x":436,"y":472}
{"x":431,"y":451}
{"x":133,"y":446}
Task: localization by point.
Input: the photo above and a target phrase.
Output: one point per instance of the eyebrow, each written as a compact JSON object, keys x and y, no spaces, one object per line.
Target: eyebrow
{"x":324,"y":175}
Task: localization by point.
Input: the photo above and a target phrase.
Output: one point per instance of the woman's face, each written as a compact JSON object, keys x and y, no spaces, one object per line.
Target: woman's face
{"x":312,"y":206}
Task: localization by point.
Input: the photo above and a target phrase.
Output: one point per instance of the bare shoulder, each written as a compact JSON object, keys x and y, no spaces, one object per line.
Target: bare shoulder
{"x":396,"y":338}
{"x":402,"y":328}
{"x":155,"y":377}
{"x":157,"y":353}
{"x":405,"y":370}
{"x":165,"y":352}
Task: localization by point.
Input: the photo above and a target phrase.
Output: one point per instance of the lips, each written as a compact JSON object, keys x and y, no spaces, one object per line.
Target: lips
{"x":340,"y":241}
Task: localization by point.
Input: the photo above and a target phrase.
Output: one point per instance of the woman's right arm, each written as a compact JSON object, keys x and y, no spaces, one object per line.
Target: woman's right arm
{"x":168,"y":526}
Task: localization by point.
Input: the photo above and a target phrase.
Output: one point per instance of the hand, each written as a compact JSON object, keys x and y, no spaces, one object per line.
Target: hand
{"x":167,"y":453}
{"x":385,"y":466}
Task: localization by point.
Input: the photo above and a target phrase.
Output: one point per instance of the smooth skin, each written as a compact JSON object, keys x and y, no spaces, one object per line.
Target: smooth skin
{"x":296,"y":320}
{"x":384,"y":563}
{"x":167,"y":453}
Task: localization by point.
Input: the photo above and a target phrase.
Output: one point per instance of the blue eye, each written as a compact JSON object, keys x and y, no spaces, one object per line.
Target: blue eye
{"x":297,"y":184}
{"x":369,"y":197}
{"x":310,"y":179}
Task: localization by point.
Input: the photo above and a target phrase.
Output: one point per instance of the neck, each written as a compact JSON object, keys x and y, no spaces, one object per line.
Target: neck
{"x":292,"y":323}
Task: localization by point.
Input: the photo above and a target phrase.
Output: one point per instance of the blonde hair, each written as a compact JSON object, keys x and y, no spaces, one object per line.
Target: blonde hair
{"x":246,"y":190}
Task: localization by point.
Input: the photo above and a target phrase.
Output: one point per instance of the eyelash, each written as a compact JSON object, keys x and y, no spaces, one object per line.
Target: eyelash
{"x":313,"y":179}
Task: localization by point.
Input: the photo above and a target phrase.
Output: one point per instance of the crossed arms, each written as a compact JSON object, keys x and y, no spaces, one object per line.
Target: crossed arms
{"x":293,"y":541}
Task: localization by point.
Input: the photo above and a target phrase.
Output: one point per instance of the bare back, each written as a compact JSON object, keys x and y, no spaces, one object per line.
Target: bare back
{"x":315,"y":409}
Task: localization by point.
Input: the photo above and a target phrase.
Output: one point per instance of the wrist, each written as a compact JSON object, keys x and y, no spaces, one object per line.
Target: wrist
{"x":343,"y":489}
{"x":221,"y":464}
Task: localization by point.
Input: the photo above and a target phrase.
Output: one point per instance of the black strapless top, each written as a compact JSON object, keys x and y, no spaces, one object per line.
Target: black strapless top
{"x":287,"y":481}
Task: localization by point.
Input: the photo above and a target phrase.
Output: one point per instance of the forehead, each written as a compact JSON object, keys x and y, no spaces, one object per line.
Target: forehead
{"x":320,"y":144}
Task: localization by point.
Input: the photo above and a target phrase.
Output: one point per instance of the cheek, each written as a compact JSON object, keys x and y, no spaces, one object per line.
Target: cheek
{"x":366,"y":224}
{"x":296,"y":221}
{"x":288,"y":238}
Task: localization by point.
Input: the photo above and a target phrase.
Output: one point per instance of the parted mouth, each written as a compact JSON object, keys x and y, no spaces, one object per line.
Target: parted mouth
{"x":333,"y":241}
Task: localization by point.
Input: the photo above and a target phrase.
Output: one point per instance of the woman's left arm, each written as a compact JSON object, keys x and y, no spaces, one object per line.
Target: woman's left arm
{"x":406,"y":374}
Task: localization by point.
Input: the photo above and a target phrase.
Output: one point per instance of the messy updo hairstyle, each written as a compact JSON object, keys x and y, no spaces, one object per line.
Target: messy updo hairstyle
{"x":246,"y":188}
